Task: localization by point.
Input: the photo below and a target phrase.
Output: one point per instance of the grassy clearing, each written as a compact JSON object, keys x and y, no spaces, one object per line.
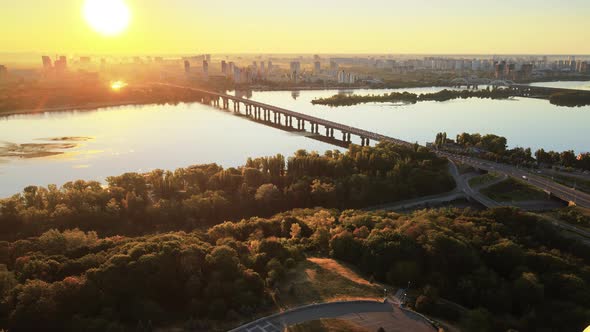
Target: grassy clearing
{"x":481,"y":180}
{"x":324,"y":280}
{"x":327,"y":325}
{"x":513,"y":190}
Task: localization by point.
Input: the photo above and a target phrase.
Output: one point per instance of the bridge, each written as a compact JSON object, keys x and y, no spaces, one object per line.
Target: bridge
{"x":284,"y":119}
{"x":280,"y":117}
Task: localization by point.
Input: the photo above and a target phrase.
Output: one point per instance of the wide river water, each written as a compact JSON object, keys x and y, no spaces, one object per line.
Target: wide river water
{"x":143,"y":138}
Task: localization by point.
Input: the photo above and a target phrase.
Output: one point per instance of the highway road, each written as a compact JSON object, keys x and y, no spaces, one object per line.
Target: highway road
{"x":563,"y":192}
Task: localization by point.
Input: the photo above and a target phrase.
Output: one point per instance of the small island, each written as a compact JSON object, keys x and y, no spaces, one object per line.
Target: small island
{"x":571,"y":99}
{"x":412,"y":98}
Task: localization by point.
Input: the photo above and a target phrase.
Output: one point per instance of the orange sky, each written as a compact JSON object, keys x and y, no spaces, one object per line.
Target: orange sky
{"x":305,"y":26}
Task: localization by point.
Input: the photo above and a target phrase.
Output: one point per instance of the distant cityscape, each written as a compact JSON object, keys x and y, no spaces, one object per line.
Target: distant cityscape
{"x":316,"y":69}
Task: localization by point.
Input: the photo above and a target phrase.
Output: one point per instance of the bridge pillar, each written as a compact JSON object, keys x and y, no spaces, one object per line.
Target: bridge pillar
{"x":362,"y":141}
{"x":327,"y":132}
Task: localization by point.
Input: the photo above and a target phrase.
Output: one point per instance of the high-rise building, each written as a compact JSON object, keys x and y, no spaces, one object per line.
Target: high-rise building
{"x":317,"y":67}
{"x":333,"y":65}
{"x":205,"y":68}
{"x":500,"y":69}
{"x":232,"y":68}
{"x":47,"y":63}
{"x":61,"y":64}
{"x":187,"y":67}
{"x":208,"y":57}
{"x":3,"y":72}
{"x":84,"y":59}
{"x":342,"y":77}
{"x":295,"y":67}
{"x":224,"y":67}
{"x":237,"y":73}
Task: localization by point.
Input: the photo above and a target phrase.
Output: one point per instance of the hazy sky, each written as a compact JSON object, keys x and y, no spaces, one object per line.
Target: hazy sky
{"x":305,"y":26}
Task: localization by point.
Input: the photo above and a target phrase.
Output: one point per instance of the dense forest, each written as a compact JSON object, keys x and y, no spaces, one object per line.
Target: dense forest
{"x":494,"y":147}
{"x":408,"y":97}
{"x":201,"y":196}
{"x":513,"y":270}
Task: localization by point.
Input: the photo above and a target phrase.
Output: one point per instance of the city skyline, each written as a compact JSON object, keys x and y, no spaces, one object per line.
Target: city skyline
{"x":261,"y":26}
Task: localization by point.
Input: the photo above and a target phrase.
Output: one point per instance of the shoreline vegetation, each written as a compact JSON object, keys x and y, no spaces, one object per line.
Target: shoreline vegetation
{"x":412,"y":98}
{"x":359,"y":177}
{"x":570,"y":99}
{"x":42,"y":99}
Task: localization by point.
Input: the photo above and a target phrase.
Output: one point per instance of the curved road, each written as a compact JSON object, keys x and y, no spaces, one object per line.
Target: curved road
{"x":364,"y":313}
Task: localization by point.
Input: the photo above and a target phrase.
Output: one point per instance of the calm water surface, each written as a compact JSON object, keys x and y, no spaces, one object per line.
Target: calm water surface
{"x":143,"y":138}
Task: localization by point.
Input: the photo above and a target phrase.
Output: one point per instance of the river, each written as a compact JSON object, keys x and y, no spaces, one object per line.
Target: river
{"x":143,"y":138}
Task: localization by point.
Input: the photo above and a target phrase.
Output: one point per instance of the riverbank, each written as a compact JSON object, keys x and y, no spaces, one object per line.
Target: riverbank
{"x":82,"y":107}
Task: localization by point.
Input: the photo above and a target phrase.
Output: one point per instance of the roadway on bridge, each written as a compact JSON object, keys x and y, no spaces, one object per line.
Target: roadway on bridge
{"x":558,"y":190}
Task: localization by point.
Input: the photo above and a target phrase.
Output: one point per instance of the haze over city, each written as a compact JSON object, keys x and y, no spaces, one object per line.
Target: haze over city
{"x":306,"y":26}
{"x":295,"y":166}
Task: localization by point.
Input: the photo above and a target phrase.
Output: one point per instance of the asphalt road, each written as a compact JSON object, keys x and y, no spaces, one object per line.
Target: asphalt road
{"x":358,"y":311}
{"x":556,"y":189}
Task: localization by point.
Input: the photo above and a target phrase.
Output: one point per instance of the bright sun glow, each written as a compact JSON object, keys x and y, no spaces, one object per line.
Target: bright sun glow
{"x":107,"y":17}
{"x":118,"y":85}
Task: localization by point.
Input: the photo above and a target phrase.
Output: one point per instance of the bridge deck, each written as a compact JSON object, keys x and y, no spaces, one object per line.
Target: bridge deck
{"x":323,"y":122}
{"x":558,"y":190}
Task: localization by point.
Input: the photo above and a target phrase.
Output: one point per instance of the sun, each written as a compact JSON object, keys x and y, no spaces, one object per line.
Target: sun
{"x":107,"y":17}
